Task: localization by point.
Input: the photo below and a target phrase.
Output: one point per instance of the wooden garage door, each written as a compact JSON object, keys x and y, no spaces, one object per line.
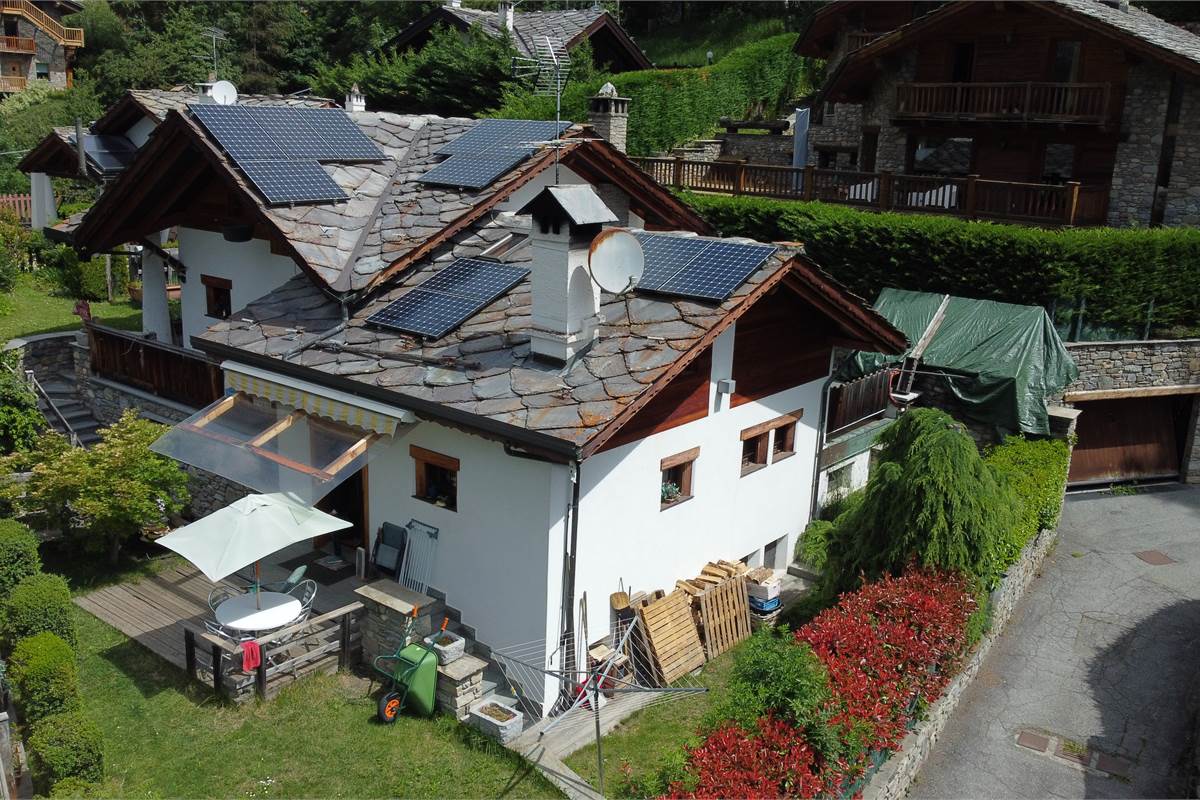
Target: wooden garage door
{"x":1136,"y":437}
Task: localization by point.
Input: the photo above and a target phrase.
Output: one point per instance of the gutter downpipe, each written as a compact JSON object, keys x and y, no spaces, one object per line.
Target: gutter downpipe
{"x":824,"y":417}
{"x":569,"y":549}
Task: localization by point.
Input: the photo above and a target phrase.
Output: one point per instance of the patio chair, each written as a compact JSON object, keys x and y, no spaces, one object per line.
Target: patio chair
{"x":305,"y":591}
{"x":388,"y":554}
{"x":285,"y":586}
{"x":218,"y":595}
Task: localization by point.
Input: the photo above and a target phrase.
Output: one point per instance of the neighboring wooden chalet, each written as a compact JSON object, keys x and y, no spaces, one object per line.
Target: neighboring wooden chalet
{"x":1047,"y":93}
{"x":563,"y":442}
{"x":612,"y":47}
{"x":35,"y":45}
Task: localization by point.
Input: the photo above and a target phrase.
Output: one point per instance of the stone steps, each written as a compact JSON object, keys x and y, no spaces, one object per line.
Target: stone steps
{"x":61,"y":391}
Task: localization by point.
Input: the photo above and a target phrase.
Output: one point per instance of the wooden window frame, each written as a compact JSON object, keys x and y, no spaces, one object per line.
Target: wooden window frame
{"x":424,"y":458}
{"x":212,"y":285}
{"x":683,"y":462}
{"x":768,"y":431}
{"x":762,"y":452}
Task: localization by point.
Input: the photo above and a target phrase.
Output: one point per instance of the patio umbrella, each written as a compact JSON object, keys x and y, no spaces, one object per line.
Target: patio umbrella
{"x":246,"y":531}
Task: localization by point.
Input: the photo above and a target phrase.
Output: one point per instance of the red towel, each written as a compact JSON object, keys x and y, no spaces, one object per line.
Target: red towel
{"x":251,"y":656}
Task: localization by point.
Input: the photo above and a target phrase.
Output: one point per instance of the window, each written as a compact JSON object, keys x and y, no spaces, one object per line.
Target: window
{"x":1064,"y":63}
{"x":754,"y":450}
{"x":776,"y":438}
{"x":838,"y":485}
{"x":941,"y":156}
{"x":10,"y":26}
{"x":784,"y":442}
{"x":218,"y":296}
{"x":963,"y":65}
{"x":830,"y":110}
{"x":42,"y":70}
{"x":437,"y":477}
{"x":677,"y":478}
{"x":1058,"y":163}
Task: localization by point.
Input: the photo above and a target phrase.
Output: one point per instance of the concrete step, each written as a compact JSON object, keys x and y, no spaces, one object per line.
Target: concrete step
{"x":57,"y":389}
{"x":802,"y":570}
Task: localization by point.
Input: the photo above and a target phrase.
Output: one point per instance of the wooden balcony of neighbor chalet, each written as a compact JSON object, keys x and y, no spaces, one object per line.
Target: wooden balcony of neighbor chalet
{"x":17,"y":44}
{"x":68,"y":37}
{"x":858,"y":39}
{"x":12,"y":83}
{"x":971,"y":197}
{"x":1062,"y":103}
{"x":175,"y":373}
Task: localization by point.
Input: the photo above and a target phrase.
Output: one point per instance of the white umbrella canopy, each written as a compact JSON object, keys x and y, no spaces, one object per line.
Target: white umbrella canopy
{"x":244,"y":532}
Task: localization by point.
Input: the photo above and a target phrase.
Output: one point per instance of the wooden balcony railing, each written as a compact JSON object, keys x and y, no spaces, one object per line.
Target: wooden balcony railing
{"x":19,"y":204}
{"x":857,"y":39}
{"x":972,"y":197}
{"x":168,"y":371}
{"x":17,"y":44}
{"x":1089,"y":103}
{"x":12,"y":83}
{"x":68,"y":37}
{"x":858,"y":401}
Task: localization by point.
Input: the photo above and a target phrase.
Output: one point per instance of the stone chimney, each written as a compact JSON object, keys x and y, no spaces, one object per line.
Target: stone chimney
{"x":455,"y":3}
{"x":565,"y":318}
{"x":609,"y":115}
{"x":506,"y":11}
{"x":355,"y":100}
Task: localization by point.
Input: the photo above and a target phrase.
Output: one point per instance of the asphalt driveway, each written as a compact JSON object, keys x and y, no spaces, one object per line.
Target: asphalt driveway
{"x":1097,"y":672}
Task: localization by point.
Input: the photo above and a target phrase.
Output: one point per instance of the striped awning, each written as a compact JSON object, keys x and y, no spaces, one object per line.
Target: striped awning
{"x":328,"y":403}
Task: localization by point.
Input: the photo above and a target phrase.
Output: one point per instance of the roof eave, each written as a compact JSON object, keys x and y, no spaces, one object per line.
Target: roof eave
{"x":605,"y":20}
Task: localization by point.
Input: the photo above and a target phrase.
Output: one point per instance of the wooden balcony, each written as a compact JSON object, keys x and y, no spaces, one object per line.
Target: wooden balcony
{"x":858,"y":39}
{"x":1070,"y":103}
{"x":12,"y":83}
{"x":68,"y":37}
{"x":859,"y":401}
{"x":17,"y":44}
{"x":175,"y":373}
{"x":971,"y":197}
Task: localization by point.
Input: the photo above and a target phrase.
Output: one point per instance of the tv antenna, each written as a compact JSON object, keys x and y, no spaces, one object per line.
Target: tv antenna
{"x":616,"y":261}
{"x":217,"y":35}
{"x":549,"y":68}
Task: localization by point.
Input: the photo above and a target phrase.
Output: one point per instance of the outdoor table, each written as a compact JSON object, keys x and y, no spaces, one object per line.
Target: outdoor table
{"x":243,"y":613}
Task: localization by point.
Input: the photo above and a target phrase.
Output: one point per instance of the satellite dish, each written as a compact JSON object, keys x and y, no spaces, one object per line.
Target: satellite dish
{"x":224,"y":93}
{"x":616,"y":261}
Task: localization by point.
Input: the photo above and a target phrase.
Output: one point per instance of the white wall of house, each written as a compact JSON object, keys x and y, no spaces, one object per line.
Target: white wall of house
{"x":139,"y":132}
{"x":624,"y":535}
{"x":251,"y":266}
{"x":499,"y":555}
{"x":859,"y":467}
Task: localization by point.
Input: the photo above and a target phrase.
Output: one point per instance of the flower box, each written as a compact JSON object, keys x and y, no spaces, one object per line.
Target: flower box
{"x":449,"y":646}
{"x":501,"y":722}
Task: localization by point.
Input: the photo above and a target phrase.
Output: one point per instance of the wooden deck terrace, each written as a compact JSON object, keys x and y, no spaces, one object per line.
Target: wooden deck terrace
{"x":163,"y":612}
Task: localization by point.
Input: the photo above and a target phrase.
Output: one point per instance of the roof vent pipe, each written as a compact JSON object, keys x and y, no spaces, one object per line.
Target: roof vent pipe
{"x":355,"y":101}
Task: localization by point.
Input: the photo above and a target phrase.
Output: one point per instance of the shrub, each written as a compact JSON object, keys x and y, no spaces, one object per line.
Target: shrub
{"x":63,"y":746}
{"x":45,"y":676}
{"x":39,"y":603}
{"x":1035,"y":470}
{"x":813,"y":547}
{"x":20,"y":418}
{"x":18,"y":555}
{"x":75,"y":788}
{"x":931,"y":499}
{"x":86,"y":279}
{"x":1118,"y":271}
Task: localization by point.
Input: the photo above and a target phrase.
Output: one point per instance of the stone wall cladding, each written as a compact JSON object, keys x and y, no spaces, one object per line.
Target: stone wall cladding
{"x":879,"y":110}
{"x":48,"y":354}
{"x":897,"y":775}
{"x":758,"y":148}
{"x":1136,"y":169}
{"x":842,"y":128}
{"x":1183,"y":190}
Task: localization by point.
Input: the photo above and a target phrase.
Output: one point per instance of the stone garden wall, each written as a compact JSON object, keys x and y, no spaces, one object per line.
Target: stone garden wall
{"x":47,"y":354}
{"x":759,"y":148}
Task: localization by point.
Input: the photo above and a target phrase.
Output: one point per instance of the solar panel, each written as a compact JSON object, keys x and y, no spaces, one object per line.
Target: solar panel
{"x":344,"y":139}
{"x":498,"y":134}
{"x":449,"y":298}
{"x":292,"y":181}
{"x":475,"y":170}
{"x":108,"y":154}
{"x":296,"y":139}
{"x":700,"y":268}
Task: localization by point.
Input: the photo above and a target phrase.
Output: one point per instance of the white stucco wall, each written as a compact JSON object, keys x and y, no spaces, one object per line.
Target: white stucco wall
{"x":567,"y":177}
{"x":859,"y":469}
{"x":140,"y":131}
{"x":625,"y":536}
{"x":251,"y":267}
{"x":499,"y":555}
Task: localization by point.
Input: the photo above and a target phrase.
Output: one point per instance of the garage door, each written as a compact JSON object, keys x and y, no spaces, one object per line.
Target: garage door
{"x":1130,"y":438}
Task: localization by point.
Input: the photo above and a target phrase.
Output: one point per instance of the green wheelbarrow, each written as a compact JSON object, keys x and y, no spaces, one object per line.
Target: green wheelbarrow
{"x":412,"y":675}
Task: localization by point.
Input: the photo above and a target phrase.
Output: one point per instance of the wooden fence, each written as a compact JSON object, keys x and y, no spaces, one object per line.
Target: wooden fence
{"x":165,"y":370}
{"x":19,"y":204}
{"x":1024,"y":102}
{"x":1070,"y":204}
{"x":856,"y":402}
{"x":324,"y":644}
{"x":17,"y":44}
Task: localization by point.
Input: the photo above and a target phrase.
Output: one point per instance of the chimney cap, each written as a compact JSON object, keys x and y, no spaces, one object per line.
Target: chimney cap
{"x":607,"y":90}
{"x":579,"y":202}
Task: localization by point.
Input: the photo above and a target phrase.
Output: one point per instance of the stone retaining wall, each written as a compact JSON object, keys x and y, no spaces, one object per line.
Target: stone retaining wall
{"x":896,"y":776}
{"x":761,"y":148}
{"x":47,"y":354}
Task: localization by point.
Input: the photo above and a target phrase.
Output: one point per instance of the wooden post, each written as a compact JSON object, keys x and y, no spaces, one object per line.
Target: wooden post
{"x":739,"y":182}
{"x":677,"y":181}
{"x":344,"y":644}
{"x":969,"y":208}
{"x":885,"y":190}
{"x":216,"y":667}
{"x":1028,"y":100}
{"x":189,"y":652}
{"x":1072,"y":201}
{"x":260,"y":675}
{"x":808,"y":182}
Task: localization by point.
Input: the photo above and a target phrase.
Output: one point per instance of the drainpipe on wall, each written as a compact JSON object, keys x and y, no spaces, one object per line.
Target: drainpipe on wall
{"x":823,"y":422}
{"x":571,"y":541}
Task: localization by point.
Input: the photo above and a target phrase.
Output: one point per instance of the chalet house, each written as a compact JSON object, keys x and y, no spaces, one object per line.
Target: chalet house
{"x":612,"y":47}
{"x":36,"y":45}
{"x":432,"y":346}
{"x":1023,"y":96}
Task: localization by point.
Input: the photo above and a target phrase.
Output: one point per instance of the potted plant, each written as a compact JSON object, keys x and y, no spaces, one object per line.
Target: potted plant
{"x":448,"y":645}
{"x":500,"y":721}
{"x":670,"y":492}
{"x":135,"y":293}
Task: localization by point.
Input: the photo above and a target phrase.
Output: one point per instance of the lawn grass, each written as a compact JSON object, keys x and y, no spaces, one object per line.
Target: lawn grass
{"x":166,"y":736}
{"x":32,"y":307}
{"x":687,"y":45}
{"x":636,"y":748}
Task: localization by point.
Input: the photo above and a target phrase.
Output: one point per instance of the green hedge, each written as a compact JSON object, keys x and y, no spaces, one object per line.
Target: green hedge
{"x":39,"y":603}
{"x":45,"y":676}
{"x":672,"y":106}
{"x":18,"y":555}
{"x":1036,"y":470}
{"x":1118,"y":271}
{"x":65,"y":746}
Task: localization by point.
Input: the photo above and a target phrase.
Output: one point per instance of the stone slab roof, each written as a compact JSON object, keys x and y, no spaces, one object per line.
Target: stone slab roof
{"x":528,"y":26}
{"x":483,"y":368}
{"x":159,"y":102}
{"x":1145,"y":26}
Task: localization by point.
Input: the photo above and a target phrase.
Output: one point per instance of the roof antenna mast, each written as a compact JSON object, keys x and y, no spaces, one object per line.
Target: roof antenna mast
{"x":550,"y":68}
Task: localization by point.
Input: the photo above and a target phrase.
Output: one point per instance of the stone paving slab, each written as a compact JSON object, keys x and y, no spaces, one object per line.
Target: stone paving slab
{"x":1103,"y":650}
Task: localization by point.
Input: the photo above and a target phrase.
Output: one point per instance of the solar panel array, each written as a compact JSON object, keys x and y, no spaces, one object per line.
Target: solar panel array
{"x":108,"y":154}
{"x":688,"y":266}
{"x":449,"y":298}
{"x":280,"y":148}
{"x":490,"y":149}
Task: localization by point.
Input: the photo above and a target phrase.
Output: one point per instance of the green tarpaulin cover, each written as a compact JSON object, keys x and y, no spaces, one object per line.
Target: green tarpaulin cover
{"x":1001,"y":360}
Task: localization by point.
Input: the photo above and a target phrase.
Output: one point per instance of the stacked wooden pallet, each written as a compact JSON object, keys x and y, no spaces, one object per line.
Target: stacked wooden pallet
{"x":719,"y":604}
